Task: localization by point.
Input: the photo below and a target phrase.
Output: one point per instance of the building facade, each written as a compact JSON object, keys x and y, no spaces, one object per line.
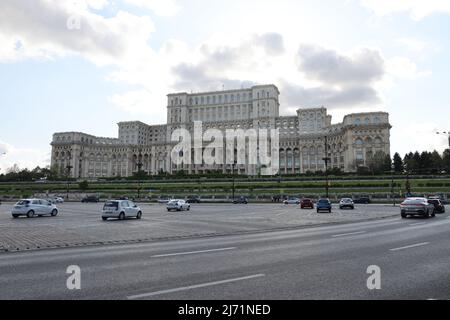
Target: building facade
{"x":302,"y":138}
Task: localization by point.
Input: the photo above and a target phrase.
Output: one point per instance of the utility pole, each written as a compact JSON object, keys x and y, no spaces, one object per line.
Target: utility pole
{"x":326,"y":159}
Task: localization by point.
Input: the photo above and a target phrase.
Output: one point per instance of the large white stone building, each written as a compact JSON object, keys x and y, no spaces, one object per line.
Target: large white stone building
{"x":302,"y":137}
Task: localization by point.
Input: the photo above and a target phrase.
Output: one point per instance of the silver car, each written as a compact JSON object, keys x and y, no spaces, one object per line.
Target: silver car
{"x":178,"y":205}
{"x":292,"y":201}
{"x":416,"y":207}
{"x":34,"y":207}
{"x":121,"y":209}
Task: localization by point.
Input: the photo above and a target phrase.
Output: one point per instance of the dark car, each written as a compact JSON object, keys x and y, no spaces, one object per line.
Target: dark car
{"x":90,"y":199}
{"x":323,"y":205}
{"x":193,"y":199}
{"x":416,"y":207}
{"x":306,"y":203}
{"x":240,"y":200}
{"x":363,"y":200}
{"x":438,"y":206}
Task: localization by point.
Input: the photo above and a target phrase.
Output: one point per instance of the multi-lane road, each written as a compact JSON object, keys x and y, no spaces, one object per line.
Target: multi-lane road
{"x":327,"y":262}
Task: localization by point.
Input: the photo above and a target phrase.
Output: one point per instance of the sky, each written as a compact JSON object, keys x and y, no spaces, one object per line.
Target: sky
{"x":85,"y":65}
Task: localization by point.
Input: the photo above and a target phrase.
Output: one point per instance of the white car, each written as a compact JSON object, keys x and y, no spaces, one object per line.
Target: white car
{"x":178,"y":205}
{"x":121,"y":209}
{"x":34,"y":207}
{"x":292,"y":201}
{"x":58,"y":200}
{"x":346,"y":203}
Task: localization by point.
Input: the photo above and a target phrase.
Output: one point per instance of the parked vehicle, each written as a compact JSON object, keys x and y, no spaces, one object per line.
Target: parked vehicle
{"x":416,"y":207}
{"x":58,"y":200}
{"x":240,"y":200}
{"x":121,"y":209}
{"x":178,"y":205}
{"x":193,"y":199}
{"x":438,"y":205}
{"x":34,"y":207}
{"x":362,"y":200}
{"x":292,"y":200}
{"x":346,"y":203}
{"x":93,"y":199}
{"x":306,"y":203}
{"x":324,"y":205}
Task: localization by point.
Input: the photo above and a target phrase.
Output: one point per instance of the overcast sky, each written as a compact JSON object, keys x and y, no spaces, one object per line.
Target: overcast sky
{"x":85,"y":65}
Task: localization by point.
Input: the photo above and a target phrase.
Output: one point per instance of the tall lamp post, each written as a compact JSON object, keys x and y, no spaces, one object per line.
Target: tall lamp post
{"x":68,"y":168}
{"x":392,"y":182}
{"x":326,"y":159}
{"x":139,"y":165}
{"x":445,"y":133}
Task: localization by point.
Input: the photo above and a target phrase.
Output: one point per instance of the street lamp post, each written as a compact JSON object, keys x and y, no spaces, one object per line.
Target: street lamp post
{"x":139,"y":165}
{"x":68,"y":168}
{"x":326,"y":159}
{"x":392,"y":183}
{"x":232,"y":174}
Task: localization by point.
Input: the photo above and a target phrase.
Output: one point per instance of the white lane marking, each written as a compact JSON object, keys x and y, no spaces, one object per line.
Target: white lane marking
{"x":192,"y":252}
{"x":416,"y":224}
{"x":348,"y":234}
{"x":411,"y":246}
{"x":196,"y":286}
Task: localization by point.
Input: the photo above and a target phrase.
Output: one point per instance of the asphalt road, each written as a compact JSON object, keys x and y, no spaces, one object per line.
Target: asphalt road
{"x":327,"y":262}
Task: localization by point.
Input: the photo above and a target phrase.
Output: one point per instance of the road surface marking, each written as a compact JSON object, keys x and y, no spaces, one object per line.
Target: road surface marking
{"x":348,"y":234}
{"x":202,"y":285}
{"x":191,"y":252}
{"x":411,"y":246}
{"x":417,"y":224}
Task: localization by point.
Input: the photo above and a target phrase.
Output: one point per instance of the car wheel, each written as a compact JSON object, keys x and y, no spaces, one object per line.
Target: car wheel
{"x":30,"y":214}
{"x":54,"y":213}
{"x":427,"y":215}
{"x":104,"y":218}
{"x":189,"y":208}
{"x":139,"y":215}
{"x":329,"y":211}
{"x":122,"y":216}
{"x":15,"y":216}
{"x":403,"y":216}
{"x":317,"y":211}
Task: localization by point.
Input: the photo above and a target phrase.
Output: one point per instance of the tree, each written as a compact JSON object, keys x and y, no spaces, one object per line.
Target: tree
{"x":83,"y":185}
{"x":379,"y":163}
{"x":398,"y":163}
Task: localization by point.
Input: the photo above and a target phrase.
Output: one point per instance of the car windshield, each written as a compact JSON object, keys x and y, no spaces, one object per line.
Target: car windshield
{"x":111,"y":204}
{"x":173,"y":202}
{"x":413,"y":201}
{"x":433,"y":201}
{"x":323,"y":201}
{"x":23,"y":202}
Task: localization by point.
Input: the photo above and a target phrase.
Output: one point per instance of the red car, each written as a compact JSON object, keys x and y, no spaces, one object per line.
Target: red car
{"x":306,"y":203}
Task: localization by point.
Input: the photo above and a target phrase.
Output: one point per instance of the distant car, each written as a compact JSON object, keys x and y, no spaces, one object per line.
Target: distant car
{"x":34,"y":207}
{"x":292,"y":200}
{"x":240,"y":200}
{"x":323,"y":205}
{"x":306,"y":203}
{"x":193,"y":199}
{"x":164,"y":200}
{"x":416,"y":207}
{"x":346,"y":203}
{"x":121,"y":209}
{"x":58,"y":200}
{"x":438,"y":205}
{"x":363,"y":200}
{"x":87,"y":199}
{"x":178,"y":205}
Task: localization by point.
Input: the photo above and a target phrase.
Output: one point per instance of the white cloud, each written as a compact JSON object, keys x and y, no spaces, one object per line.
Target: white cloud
{"x":23,"y":157}
{"x":418,"y":9}
{"x":160,"y":7}
{"x":41,"y":31}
